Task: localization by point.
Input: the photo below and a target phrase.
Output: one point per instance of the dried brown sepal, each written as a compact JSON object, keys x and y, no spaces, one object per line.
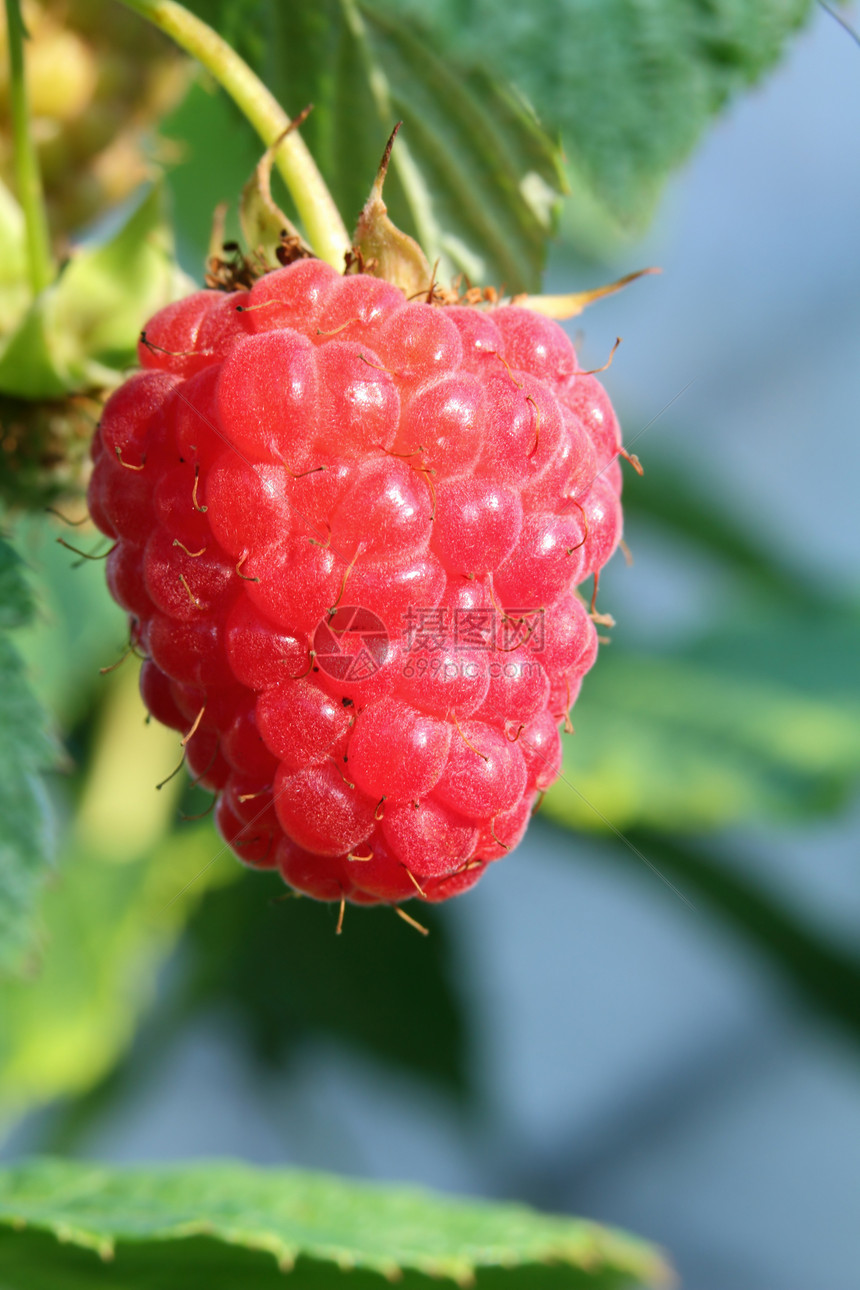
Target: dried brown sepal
{"x":227,"y":269}
{"x":383,"y":250}
{"x":265,"y":227}
{"x":218,"y":233}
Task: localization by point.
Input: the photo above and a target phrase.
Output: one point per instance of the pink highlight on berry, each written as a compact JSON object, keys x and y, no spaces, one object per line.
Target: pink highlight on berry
{"x":477,"y":524}
{"x":397,"y":752}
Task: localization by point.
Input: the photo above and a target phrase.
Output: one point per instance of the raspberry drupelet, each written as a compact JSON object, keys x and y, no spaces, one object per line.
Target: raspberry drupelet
{"x":349,"y":530}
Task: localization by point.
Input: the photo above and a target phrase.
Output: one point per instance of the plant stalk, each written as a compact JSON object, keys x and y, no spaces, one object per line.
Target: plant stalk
{"x":28,"y":177}
{"x":323,"y":225}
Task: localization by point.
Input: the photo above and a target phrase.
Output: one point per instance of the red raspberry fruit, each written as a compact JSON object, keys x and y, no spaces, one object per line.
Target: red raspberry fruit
{"x":348,"y":532}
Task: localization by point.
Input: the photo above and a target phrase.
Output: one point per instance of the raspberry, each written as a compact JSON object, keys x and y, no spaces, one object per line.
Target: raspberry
{"x":349,"y":529}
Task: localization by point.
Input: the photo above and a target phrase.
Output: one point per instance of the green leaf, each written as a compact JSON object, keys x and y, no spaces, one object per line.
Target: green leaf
{"x":82,"y":331}
{"x":738,"y":726}
{"x":16,"y":599}
{"x":14,"y":280}
{"x":263,"y":222}
{"x":197,"y":186}
{"x":124,"y":888}
{"x":473,"y":176}
{"x":79,"y":627}
{"x":378,"y":986}
{"x":25,"y":750}
{"x":630,"y":84}
{"x":141,"y":1220}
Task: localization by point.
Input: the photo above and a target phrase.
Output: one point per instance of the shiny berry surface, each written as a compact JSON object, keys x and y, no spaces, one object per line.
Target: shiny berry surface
{"x":349,"y":533}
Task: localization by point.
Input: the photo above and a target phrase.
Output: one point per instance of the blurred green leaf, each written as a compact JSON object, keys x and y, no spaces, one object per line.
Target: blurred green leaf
{"x":141,"y":1220}
{"x":473,"y":176}
{"x":79,"y":628}
{"x":813,"y":651}
{"x":742,"y":724}
{"x":16,"y":599}
{"x":205,"y":126}
{"x":25,"y":750}
{"x":122,"y":893}
{"x":82,"y":331}
{"x":14,"y":279}
{"x":630,"y":84}
{"x":378,"y":985}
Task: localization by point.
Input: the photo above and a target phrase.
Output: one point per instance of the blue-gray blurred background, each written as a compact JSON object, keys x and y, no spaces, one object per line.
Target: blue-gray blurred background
{"x":663,"y":1032}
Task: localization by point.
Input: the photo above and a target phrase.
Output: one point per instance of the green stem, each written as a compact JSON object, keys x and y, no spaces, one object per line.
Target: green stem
{"x":27,"y":175}
{"x":322,"y":222}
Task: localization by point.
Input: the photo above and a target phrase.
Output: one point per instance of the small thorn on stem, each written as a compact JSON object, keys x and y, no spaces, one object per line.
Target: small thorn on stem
{"x":171,"y":353}
{"x":346,"y":781}
{"x":378,"y":366}
{"x":250,"y":309}
{"x":339,"y":928}
{"x":633,"y":460}
{"x":103,"y":671}
{"x":191,"y":596}
{"x":242,"y":558}
{"x":319,"y":542}
{"x":199,"y":778}
{"x":127,"y":464}
{"x":303,"y":474}
{"x":85,"y":555}
{"x":595,"y":371}
{"x":602,"y":620}
{"x":193,"y":554}
{"x":496,"y":837}
{"x":197,"y":505}
{"x":568,"y":724}
{"x":534,"y":446}
{"x":482,"y":756}
{"x":518,"y":384}
{"x":311,"y":656}
{"x":570,"y":550}
{"x":413,"y":922}
{"x":360,"y":859}
{"x":194,"y":727}
{"x":201,"y":815}
{"x":349,"y":570}
{"x":52,"y":510}
{"x":335,"y":331}
{"x":173,"y":773}
{"x":508,"y":649}
{"x":415,"y":883}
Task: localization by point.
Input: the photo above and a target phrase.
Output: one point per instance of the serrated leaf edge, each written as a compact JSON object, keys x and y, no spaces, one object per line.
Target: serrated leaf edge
{"x":591,"y":1248}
